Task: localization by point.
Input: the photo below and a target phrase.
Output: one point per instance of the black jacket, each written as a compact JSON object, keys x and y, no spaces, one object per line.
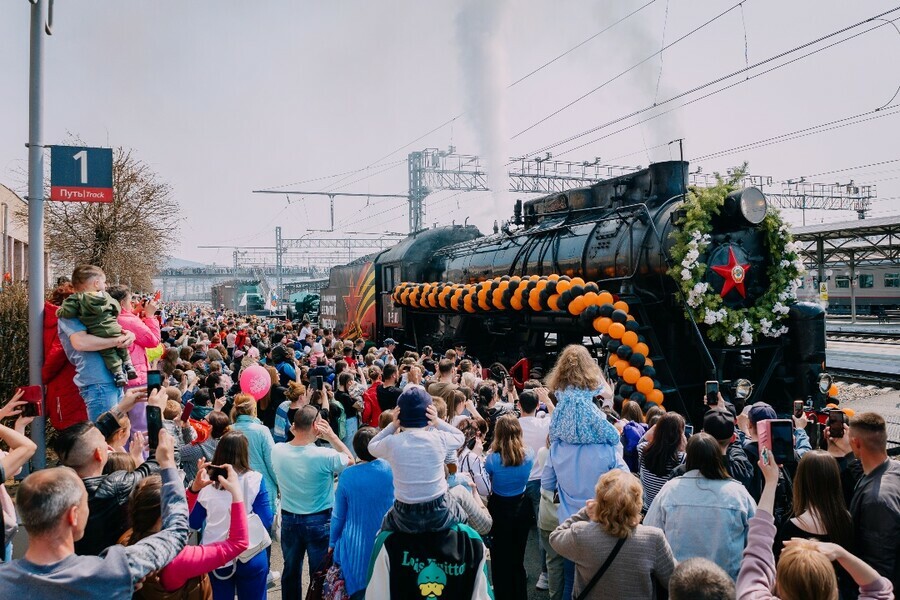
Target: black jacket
{"x":875,"y":509}
{"x":108,"y":502}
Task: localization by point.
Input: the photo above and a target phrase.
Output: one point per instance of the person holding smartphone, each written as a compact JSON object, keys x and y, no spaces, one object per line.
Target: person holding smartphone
{"x":21,"y":449}
{"x":805,"y":567}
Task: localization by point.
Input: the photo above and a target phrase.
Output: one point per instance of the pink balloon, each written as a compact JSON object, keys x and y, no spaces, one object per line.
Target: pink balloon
{"x":255,"y":380}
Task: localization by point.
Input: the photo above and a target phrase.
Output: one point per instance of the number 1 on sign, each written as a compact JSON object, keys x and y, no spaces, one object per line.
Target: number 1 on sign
{"x":81,"y":157}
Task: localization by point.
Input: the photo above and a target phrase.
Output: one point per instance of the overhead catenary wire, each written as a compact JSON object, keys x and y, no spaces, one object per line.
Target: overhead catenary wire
{"x":625,"y":72}
{"x":715,"y":81}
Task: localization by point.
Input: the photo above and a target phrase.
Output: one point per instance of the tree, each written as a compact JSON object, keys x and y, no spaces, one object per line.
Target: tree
{"x":126,"y":237}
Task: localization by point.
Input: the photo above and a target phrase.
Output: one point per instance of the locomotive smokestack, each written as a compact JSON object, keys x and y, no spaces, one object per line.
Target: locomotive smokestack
{"x":517,"y":212}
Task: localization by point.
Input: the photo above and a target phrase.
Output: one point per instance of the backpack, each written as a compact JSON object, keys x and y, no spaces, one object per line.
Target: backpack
{"x":196,"y":588}
{"x":342,"y":421}
{"x":631,"y":436}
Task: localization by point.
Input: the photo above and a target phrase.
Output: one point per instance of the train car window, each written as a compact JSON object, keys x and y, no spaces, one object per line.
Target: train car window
{"x":389,"y":283}
{"x":892,"y":280}
{"x":842,"y":282}
{"x":866,"y":280}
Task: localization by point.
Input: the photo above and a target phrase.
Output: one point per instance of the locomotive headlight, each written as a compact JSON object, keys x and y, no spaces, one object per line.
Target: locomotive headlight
{"x":748,"y":203}
{"x":743,"y":388}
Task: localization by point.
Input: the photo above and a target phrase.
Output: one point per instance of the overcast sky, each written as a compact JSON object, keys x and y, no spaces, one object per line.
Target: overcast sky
{"x":225,"y":97}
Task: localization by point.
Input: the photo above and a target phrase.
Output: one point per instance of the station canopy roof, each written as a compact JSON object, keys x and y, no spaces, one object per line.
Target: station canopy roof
{"x":863,"y":241}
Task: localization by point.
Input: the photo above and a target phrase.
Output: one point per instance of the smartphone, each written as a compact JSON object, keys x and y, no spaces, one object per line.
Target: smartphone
{"x":318,"y":382}
{"x":509,"y":383}
{"x":798,"y":408}
{"x":219,"y":392}
{"x":34,"y":396}
{"x":688,"y":431}
{"x":107,"y":424}
{"x":712,"y":393}
{"x":836,"y":420}
{"x":777,"y":436}
{"x":214,"y":471}
{"x":154,"y":425}
{"x":186,"y":413}
{"x":154,"y":381}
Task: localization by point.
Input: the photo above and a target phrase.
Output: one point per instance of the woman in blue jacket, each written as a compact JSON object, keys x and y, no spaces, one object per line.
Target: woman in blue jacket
{"x":260,"y":441}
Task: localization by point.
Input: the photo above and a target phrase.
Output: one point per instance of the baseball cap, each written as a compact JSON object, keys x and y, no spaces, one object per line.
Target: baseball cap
{"x":760,"y":412}
{"x":719,"y":424}
{"x":412,"y":404}
{"x":390,"y":342}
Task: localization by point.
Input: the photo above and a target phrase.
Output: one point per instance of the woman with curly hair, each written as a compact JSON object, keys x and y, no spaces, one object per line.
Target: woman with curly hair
{"x":612,"y":519}
{"x":583,"y":443}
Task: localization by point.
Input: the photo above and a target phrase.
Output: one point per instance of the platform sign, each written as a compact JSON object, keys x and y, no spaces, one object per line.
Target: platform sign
{"x":80,"y":174}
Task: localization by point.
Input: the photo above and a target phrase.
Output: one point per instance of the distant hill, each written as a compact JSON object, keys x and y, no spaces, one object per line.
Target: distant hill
{"x":180,"y":263}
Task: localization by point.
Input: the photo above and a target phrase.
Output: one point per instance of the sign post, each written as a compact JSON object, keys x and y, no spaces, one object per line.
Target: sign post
{"x":79,"y":174}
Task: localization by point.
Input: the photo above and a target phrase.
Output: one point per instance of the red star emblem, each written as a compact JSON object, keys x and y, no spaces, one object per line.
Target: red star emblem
{"x":733,"y":274}
{"x":352,"y":303}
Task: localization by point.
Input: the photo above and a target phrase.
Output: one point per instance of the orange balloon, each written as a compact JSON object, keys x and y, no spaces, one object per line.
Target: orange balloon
{"x":516,"y":301}
{"x":604,"y":298}
{"x":631,"y":375}
{"x":621,"y":366}
{"x":590,"y":298}
{"x":641,"y":348}
{"x":613,"y":359}
{"x":483,"y":304}
{"x":648,"y":362}
{"x":577,"y":306}
{"x":602,"y":324}
{"x":454,"y":302}
{"x":645,"y":385}
{"x":620,"y":305}
{"x":553,"y":302}
{"x":616,"y":330}
{"x":562,"y":286}
{"x":497,"y":299}
{"x":553,"y":277}
{"x":577,"y":281}
{"x":630,"y":339}
{"x":655,"y":396}
{"x":833,"y":390}
{"x":534,"y":302}
{"x":849,"y":412}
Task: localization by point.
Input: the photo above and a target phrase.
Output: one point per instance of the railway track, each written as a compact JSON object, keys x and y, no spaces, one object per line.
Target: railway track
{"x":865,"y":338}
{"x":866,"y":378}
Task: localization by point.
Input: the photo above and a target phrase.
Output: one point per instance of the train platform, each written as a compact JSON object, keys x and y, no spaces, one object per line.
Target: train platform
{"x":865,"y":357}
{"x":867,"y":326}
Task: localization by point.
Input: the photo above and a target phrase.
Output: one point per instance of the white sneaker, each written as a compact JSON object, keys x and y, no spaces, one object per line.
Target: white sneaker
{"x":542,"y":582}
{"x":273,"y":579}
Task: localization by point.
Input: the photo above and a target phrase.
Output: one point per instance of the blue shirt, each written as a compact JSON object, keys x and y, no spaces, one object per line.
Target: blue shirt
{"x":89,"y":366}
{"x":364,"y":495}
{"x":573,"y":470}
{"x":508,"y":481}
{"x":306,"y":476}
{"x":260,"y":442}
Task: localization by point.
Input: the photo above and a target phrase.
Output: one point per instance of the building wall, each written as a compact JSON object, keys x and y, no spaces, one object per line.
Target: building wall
{"x":14,"y":238}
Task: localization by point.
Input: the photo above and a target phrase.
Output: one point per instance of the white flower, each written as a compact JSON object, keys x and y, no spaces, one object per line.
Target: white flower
{"x":746,"y":339}
{"x":731,"y":340}
{"x":784,"y":264}
{"x":685,"y":274}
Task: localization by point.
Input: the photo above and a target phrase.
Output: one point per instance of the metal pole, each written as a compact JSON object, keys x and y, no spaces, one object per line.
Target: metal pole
{"x":852,"y":288}
{"x":5,"y":239}
{"x":36,"y":220}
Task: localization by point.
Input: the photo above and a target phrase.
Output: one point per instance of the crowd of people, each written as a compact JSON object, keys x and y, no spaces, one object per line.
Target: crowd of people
{"x":410,"y":473}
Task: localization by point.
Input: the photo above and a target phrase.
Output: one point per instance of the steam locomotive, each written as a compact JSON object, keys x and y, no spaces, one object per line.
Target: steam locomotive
{"x":617,"y":234}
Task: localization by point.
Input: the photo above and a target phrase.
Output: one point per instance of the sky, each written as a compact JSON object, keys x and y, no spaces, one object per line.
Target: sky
{"x":223,"y":98}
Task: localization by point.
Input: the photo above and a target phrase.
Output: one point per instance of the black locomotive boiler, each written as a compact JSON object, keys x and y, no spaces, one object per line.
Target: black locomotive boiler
{"x":616,"y":234}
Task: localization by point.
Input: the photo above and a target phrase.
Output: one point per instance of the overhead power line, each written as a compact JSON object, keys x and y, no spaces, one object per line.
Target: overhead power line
{"x":719,"y":80}
{"x":626,"y":71}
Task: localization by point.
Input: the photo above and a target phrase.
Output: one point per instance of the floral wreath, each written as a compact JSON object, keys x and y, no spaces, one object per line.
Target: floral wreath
{"x":734,"y":326}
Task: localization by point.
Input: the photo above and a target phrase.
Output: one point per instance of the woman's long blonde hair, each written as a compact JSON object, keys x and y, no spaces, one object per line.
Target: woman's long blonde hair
{"x":574,"y":368}
{"x":508,"y":441}
{"x":244,"y":404}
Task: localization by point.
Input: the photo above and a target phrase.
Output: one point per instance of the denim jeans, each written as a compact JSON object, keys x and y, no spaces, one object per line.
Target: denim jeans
{"x":99,"y":398}
{"x":352,"y":427}
{"x":247,"y":580}
{"x":533,"y":495}
{"x":302,"y":534}
{"x":435,"y":515}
